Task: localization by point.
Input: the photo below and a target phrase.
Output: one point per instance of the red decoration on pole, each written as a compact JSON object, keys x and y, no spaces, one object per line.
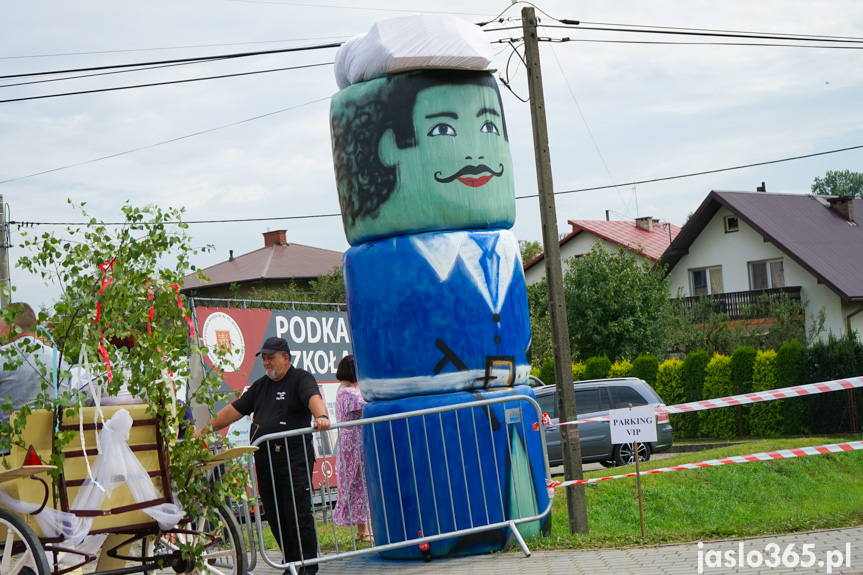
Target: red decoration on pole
{"x":152,"y":306}
{"x":180,"y":305}
{"x":104,"y":353}
{"x":106,"y":281}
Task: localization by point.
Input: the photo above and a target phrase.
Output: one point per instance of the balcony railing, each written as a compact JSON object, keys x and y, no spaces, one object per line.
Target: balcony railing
{"x":741,"y":304}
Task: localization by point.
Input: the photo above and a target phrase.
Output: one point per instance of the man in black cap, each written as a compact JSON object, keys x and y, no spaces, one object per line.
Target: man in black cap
{"x":285,"y":398}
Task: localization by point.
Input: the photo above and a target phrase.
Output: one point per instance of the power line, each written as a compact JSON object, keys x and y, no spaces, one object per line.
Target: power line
{"x":172,"y":140}
{"x":152,"y":84}
{"x":314,"y":216}
{"x":90,"y":75}
{"x":230,"y":221}
{"x":669,"y":43}
{"x":63,"y":54}
{"x":721,"y":30}
{"x":702,"y":173}
{"x":196,"y":60}
{"x":789,"y":37}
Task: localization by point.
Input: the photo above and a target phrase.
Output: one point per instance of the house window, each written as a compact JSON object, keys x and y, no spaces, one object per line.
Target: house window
{"x":706,"y":281}
{"x":766,"y":275}
{"x":731,"y":224}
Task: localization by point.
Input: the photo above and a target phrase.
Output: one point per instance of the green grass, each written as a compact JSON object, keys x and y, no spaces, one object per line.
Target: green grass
{"x":327,"y":536}
{"x":739,"y":500}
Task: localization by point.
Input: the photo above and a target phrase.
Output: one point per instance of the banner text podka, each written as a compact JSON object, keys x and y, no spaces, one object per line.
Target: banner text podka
{"x":310,"y":329}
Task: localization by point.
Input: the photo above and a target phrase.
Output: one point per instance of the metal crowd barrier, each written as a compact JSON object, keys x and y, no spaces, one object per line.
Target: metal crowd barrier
{"x":325,"y":491}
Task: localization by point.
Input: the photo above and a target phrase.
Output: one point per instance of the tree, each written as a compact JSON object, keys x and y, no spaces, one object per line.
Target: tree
{"x":529,"y":250}
{"x":119,"y":281}
{"x":617,"y":306}
{"x":839,"y":183}
{"x":540,"y":324}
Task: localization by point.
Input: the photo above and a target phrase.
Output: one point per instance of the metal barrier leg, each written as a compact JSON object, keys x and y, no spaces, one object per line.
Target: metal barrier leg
{"x":250,"y":533}
{"x":519,"y":538}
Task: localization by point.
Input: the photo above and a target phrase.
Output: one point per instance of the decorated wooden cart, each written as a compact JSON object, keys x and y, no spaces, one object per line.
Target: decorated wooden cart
{"x":90,"y":511}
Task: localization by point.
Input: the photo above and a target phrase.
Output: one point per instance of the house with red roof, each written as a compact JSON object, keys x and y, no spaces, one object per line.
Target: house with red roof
{"x":276,"y":264}
{"x":738,"y":245}
{"x":648,"y":238}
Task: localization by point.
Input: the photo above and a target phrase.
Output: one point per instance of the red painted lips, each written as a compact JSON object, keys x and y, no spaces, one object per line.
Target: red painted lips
{"x":475,"y":182}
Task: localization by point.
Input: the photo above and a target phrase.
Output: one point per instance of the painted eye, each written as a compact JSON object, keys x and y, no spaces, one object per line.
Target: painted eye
{"x":489,"y":128}
{"x":442,"y":130}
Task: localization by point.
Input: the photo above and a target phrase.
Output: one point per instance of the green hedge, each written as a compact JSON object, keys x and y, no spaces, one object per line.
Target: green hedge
{"x":717,"y":383}
{"x":620,"y":368}
{"x":645,"y":367}
{"x":742,"y":364}
{"x":693,"y":390}
{"x":834,"y":359}
{"x":699,"y":377}
{"x":578,"y":371}
{"x":597,"y":367}
{"x":546,"y":372}
{"x":669,"y":386}
{"x":765,"y":419}
{"x":791,"y":371}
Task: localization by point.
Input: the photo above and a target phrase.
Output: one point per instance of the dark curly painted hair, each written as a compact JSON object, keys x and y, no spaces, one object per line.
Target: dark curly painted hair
{"x":364,"y":182}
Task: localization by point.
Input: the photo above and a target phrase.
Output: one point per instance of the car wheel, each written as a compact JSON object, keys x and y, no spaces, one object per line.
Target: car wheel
{"x":607,"y":463}
{"x":624,"y":454}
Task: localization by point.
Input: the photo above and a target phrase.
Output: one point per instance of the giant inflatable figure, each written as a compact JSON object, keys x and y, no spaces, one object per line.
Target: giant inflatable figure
{"x":434,"y":283}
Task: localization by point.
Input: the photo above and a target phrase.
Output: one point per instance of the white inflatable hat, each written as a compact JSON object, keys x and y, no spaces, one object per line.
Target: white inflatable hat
{"x":412,"y":43}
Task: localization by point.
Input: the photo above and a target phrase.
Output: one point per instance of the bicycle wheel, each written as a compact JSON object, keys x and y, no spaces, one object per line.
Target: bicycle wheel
{"x":224,"y":548}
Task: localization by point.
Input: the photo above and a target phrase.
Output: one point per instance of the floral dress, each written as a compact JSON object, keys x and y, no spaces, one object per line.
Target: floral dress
{"x":352,"y":507}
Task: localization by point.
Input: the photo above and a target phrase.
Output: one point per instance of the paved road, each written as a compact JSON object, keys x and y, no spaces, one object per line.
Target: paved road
{"x":680,"y":559}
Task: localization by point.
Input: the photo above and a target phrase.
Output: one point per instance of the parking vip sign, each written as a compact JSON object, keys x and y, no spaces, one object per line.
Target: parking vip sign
{"x":633,"y":424}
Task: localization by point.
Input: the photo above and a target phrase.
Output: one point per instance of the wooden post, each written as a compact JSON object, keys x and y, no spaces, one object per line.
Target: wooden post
{"x":575,"y":499}
{"x":638,"y":483}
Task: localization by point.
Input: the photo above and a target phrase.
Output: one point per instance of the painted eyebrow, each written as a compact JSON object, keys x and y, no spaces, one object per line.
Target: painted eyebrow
{"x":491,"y":111}
{"x":452,"y":115}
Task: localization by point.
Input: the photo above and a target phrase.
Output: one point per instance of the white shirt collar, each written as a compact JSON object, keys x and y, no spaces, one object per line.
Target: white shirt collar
{"x":441,"y":250}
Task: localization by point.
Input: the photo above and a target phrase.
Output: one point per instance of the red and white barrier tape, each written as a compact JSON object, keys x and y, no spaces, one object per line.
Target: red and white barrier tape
{"x":755,"y":397}
{"x":763,"y":456}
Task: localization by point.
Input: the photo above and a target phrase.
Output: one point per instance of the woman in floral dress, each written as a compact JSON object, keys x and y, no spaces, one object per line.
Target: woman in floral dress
{"x":352,"y":507}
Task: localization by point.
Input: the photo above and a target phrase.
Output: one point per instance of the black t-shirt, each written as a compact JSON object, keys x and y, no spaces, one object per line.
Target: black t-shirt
{"x":279,"y":405}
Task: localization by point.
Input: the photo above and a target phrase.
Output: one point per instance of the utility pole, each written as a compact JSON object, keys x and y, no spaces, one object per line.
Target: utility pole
{"x":575,"y":502}
{"x":5,"y":284}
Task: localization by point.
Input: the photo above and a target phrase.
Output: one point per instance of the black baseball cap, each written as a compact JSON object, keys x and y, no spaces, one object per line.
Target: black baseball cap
{"x":274,"y":345}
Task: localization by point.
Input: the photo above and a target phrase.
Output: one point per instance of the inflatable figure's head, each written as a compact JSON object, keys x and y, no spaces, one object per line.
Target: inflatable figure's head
{"x":422,"y":151}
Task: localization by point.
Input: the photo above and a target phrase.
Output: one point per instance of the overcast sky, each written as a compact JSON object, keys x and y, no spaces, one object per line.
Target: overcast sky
{"x":617,"y":112}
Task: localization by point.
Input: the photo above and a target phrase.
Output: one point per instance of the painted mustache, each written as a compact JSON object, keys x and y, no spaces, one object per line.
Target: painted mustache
{"x":470,"y":171}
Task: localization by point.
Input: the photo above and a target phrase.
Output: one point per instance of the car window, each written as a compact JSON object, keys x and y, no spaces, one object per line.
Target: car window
{"x":623,"y":396}
{"x":588,"y":401}
{"x":548,"y":404}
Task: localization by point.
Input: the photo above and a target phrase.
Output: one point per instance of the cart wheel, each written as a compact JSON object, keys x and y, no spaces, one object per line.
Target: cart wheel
{"x":21,"y":552}
{"x":225,"y":556}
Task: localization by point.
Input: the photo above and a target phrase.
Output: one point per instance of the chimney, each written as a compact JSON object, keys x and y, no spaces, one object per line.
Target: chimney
{"x":645,"y":223}
{"x":844,"y":206}
{"x":275,"y":237}
{"x":230,"y":255}
{"x":761,"y":188}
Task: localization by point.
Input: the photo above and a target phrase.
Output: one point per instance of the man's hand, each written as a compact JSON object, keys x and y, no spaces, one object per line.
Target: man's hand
{"x":208,"y":427}
{"x":319,"y":412}
{"x":322,"y":423}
